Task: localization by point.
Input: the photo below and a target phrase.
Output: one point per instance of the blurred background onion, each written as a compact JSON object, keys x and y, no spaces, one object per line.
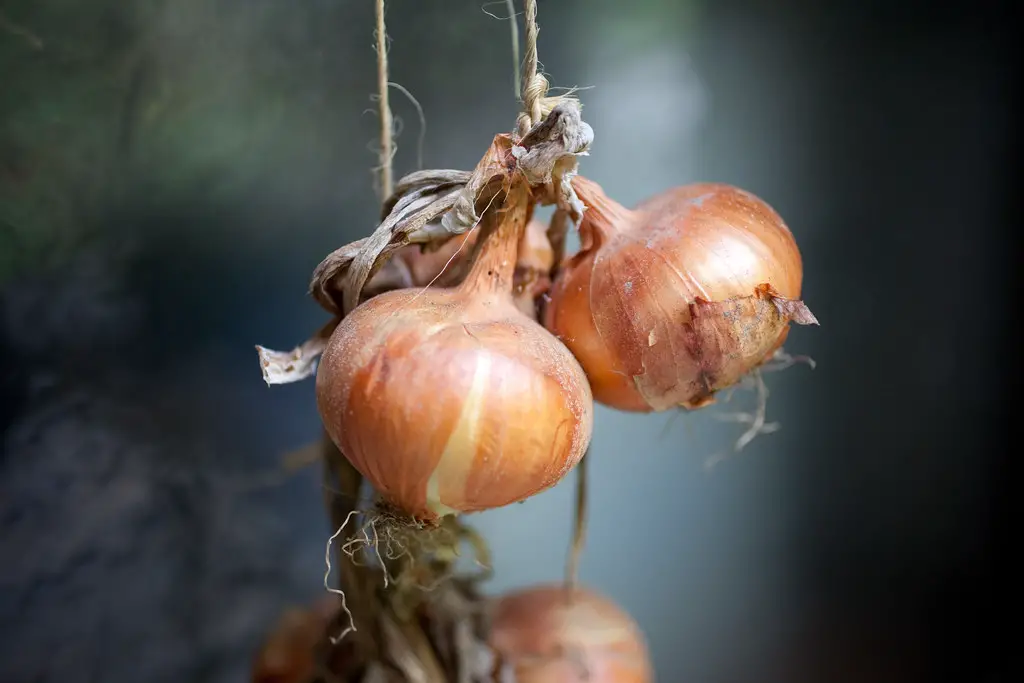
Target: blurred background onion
{"x":545,"y":636}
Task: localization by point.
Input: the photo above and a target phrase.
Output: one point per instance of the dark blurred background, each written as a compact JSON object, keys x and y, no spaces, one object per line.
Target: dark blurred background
{"x":172,"y":170}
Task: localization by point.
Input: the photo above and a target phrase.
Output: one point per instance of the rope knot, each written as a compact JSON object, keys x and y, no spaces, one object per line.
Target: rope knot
{"x":534,"y":94}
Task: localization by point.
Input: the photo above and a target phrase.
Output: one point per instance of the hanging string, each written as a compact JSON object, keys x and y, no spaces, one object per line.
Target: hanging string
{"x":386,"y":124}
{"x":534,"y":85}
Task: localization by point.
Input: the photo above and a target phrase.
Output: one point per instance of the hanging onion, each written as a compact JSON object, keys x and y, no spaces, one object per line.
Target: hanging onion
{"x":546,"y":638}
{"x":288,"y":654}
{"x":666,"y":304}
{"x":533,"y":267}
{"x":453,"y":400}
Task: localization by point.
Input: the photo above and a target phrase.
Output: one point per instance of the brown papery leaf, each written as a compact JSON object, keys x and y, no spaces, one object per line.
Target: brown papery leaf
{"x":434,"y":180}
{"x":727,"y":338}
{"x":347,"y":270}
{"x":548,"y":157}
{"x":285,"y":367}
{"x":493,"y":168}
{"x":793,"y":309}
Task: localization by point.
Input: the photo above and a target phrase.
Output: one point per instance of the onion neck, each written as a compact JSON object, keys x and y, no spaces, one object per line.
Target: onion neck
{"x":603,"y":219}
{"x":502,"y":228}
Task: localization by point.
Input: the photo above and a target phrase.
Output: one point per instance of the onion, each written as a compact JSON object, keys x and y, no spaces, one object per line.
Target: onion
{"x":287,"y":656}
{"x":453,"y":400}
{"x":671,"y":302}
{"x":533,"y":267}
{"x":546,"y":638}
{"x":440,"y":267}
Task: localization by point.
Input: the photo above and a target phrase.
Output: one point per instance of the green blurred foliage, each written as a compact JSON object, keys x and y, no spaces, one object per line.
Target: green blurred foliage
{"x":637,"y":24}
{"x":105,"y":103}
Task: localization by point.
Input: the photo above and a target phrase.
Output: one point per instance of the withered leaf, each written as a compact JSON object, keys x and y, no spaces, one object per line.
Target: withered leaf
{"x":793,"y":309}
{"x":285,"y":367}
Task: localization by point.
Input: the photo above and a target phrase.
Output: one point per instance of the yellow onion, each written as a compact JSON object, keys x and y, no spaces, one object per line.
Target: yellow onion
{"x":453,"y":400}
{"x":544,"y":637}
{"x":288,"y":654}
{"x":666,"y":304}
{"x":533,"y":268}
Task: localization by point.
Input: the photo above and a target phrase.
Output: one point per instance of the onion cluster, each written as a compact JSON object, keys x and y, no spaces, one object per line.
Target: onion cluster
{"x":454,"y":400}
{"x":666,"y":304}
{"x":546,"y":637}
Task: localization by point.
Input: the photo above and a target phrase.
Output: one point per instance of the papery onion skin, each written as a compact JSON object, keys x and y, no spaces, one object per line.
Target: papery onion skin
{"x":534,"y":262}
{"x":411,"y":266}
{"x":453,"y":400}
{"x":442,"y":267}
{"x":671,"y":302}
{"x":545,"y":638}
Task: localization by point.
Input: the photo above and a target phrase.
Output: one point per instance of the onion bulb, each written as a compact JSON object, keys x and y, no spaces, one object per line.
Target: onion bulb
{"x":452,"y":400}
{"x":287,"y":656}
{"x":533,"y":268}
{"x":666,"y":304}
{"x":546,"y":638}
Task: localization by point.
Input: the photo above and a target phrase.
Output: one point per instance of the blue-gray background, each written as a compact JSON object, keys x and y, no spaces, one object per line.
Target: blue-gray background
{"x":171,"y":172}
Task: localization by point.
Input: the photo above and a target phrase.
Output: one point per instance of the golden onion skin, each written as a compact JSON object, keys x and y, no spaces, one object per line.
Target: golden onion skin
{"x":453,"y":400}
{"x":668,"y":303}
{"x":545,"y":638}
{"x":533,"y":268}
